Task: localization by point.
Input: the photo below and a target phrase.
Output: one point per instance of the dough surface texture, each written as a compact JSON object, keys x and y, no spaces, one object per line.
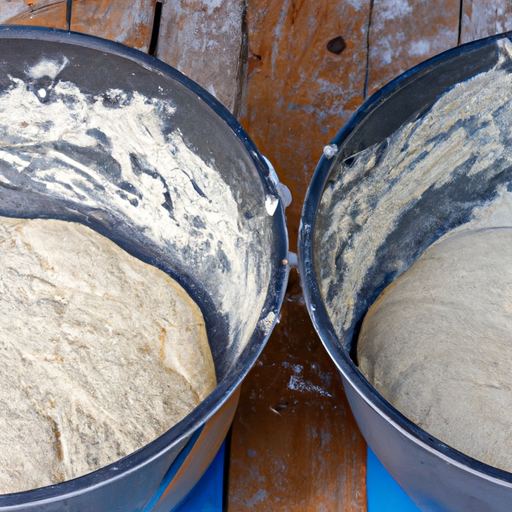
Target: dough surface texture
{"x":101,"y":352}
{"x":437,"y":343}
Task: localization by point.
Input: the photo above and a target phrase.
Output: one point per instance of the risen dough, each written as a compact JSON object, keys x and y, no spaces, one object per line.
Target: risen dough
{"x":437,"y":344}
{"x":101,"y":353}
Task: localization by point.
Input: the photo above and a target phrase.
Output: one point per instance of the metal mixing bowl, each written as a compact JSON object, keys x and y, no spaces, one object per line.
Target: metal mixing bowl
{"x":436,"y":476}
{"x":240,"y":290}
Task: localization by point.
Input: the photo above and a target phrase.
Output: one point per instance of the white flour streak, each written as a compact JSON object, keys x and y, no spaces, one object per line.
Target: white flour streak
{"x":297,"y":384}
{"x":271,"y":203}
{"x":47,"y":67}
{"x":420,"y":155}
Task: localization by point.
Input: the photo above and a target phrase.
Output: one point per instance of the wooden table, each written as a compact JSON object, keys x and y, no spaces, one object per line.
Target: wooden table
{"x":293,"y":71}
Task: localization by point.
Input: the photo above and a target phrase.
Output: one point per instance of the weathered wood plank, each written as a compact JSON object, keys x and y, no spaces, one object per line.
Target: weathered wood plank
{"x":404,"y":33}
{"x":482,"y":18}
{"x":43,"y":13}
{"x":11,"y":8}
{"x":130,"y":23}
{"x":206,"y":42}
{"x":298,"y":93}
{"x":111,"y":19}
{"x":295,"y":446}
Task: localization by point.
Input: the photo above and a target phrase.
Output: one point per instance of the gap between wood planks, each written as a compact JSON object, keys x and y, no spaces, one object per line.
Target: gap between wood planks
{"x":367,"y":73}
{"x":153,"y":44}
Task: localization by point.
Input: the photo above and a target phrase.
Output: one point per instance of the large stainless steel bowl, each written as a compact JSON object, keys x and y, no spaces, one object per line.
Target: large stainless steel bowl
{"x":233,"y":263}
{"x":333,"y":247}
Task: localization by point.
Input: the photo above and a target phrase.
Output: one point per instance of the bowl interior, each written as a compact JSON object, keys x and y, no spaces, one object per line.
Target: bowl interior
{"x":139,"y":153}
{"x":413,"y":165}
{"x":97,"y":133}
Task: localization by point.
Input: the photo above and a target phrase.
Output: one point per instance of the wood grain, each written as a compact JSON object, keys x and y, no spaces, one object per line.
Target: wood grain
{"x":130,"y":23}
{"x":403,"y":34}
{"x":298,"y":93}
{"x":11,"y":8}
{"x":482,"y":18}
{"x":207,"y":42}
{"x":110,"y":19}
{"x":295,"y":446}
{"x":43,"y":13}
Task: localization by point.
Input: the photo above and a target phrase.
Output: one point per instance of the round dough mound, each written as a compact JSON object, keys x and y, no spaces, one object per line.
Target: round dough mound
{"x":101,"y":353}
{"x":437,"y":344}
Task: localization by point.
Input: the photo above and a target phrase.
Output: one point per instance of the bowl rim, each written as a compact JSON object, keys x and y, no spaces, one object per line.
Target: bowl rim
{"x":311,"y":289}
{"x":183,"y":430}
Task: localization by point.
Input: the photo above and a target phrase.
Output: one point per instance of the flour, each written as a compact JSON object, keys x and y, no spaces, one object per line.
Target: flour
{"x":110,"y":152}
{"x":267,"y":323}
{"x":465,"y":133}
{"x":47,"y":68}
{"x":271,"y":204}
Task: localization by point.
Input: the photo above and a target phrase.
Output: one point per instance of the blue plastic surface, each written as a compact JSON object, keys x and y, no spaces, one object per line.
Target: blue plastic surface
{"x":383,"y":493}
{"x":207,"y":494}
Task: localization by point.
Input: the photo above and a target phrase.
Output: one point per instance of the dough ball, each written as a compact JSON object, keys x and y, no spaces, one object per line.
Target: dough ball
{"x":437,"y":344}
{"x":101,"y":353}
